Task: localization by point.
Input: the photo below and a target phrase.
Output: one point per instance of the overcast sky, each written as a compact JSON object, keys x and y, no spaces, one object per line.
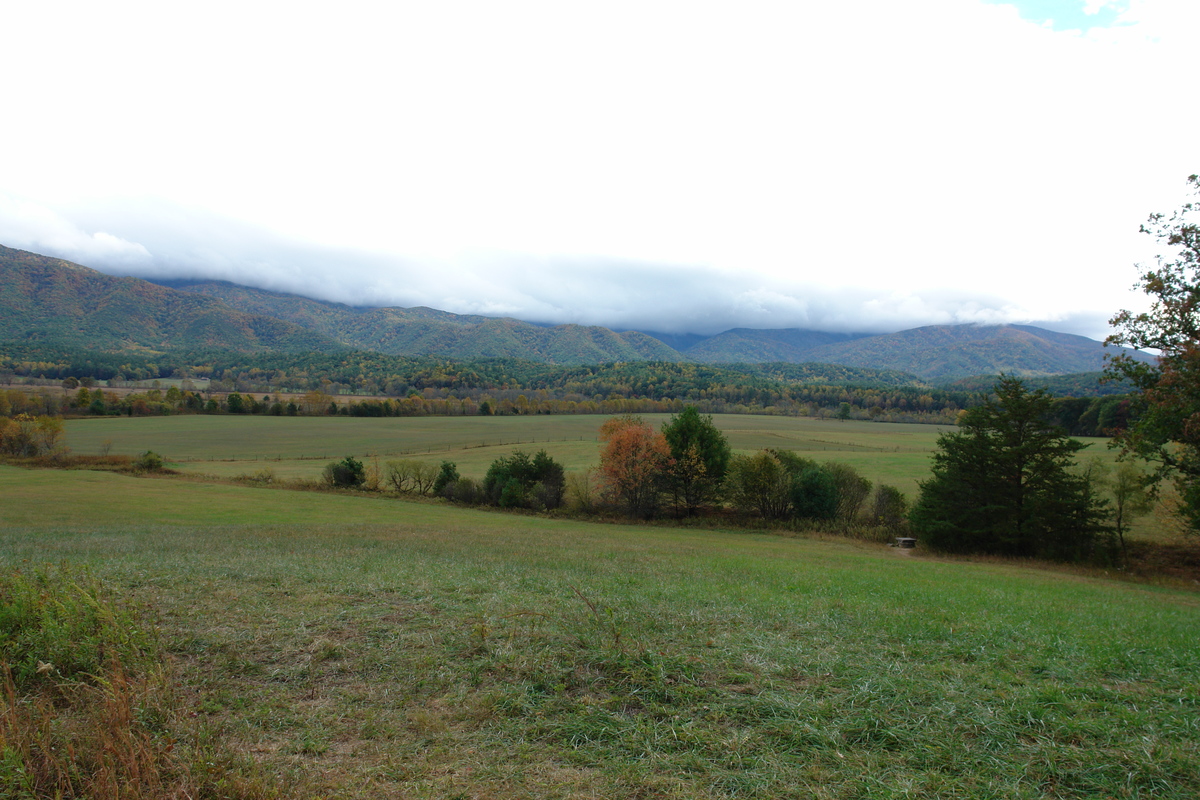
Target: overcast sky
{"x":674,"y":166}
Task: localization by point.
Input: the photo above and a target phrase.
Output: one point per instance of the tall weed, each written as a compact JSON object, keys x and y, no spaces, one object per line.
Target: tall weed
{"x":88,"y":709}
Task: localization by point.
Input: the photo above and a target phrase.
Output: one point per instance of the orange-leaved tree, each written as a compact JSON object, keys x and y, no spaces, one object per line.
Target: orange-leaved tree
{"x":632,"y":463}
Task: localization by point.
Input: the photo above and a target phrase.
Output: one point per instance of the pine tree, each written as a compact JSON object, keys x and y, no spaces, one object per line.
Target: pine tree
{"x":1003,"y":484}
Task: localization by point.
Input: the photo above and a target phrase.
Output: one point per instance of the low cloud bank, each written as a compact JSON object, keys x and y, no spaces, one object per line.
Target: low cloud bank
{"x":158,"y":242}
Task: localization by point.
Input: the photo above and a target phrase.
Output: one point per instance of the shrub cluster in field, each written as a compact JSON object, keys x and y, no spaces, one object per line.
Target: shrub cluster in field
{"x":684,"y":470}
{"x":1006,"y":484}
{"x":28,"y":436}
{"x":778,"y":484}
{"x":687,"y":468}
{"x":516,"y":481}
{"x":88,"y":709}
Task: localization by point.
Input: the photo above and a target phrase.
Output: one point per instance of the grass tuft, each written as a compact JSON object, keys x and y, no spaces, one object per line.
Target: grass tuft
{"x":88,"y":710}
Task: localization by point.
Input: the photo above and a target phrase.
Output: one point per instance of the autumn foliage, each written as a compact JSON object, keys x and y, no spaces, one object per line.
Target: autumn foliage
{"x":632,"y":462}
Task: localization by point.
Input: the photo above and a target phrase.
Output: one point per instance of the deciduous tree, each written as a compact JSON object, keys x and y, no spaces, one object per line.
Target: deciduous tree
{"x":1124,"y":486}
{"x":1166,"y":421}
{"x":524,"y":482}
{"x":761,"y":483}
{"x":632,"y":463}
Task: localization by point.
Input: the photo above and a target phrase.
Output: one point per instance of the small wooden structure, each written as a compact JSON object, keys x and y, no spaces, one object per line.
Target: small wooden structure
{"x":906,"y":542}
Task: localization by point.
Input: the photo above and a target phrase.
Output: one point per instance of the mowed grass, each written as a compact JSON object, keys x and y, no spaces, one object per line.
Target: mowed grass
{"x":360,"y":647}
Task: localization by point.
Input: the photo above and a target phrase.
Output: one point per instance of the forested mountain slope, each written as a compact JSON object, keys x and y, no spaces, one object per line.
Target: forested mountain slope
{"x":946,"y":352}
{"x":49,"y":299}
{"x":428,"y":332}
{"x":763,"y":346}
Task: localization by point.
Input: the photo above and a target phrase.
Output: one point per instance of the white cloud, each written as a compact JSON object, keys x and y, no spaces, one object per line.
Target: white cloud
{"x":27,"y":225}
{"x":652,"y":164}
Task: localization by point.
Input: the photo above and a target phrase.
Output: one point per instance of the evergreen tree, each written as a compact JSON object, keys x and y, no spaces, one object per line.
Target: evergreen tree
{"x":701,"y":458}
{"x":1002,"y":484}
{"x":447,"y":477}
{"x":347,"y":472}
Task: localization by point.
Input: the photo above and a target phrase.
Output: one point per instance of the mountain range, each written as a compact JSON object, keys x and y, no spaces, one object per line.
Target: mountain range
{"x":45,"y":299}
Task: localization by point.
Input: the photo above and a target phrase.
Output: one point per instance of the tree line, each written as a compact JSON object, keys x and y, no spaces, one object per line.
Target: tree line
{"x":1079,"y":416}
{"x":510,"y":386}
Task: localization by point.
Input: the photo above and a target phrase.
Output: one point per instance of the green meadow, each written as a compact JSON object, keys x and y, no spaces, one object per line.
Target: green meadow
{"x":300,"y":447}
{"x":296,"y":447}
{"x":354,"y":646}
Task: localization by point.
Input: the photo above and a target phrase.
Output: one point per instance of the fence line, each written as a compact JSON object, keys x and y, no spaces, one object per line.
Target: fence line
{"x":390,"y":453}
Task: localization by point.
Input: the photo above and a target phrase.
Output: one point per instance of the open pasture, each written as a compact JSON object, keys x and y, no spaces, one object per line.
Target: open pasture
{"x":301,"y":446}
{"x":358,"y":647}
{"x":229,"y":446}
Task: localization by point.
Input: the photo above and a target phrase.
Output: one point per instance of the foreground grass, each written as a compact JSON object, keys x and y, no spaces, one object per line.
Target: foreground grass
{"x":359,"y":648}
{"x":88,"y":710}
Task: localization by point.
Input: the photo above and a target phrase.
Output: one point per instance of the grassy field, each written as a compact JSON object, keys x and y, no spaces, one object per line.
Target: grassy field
{"x":360,"y":647}
{"x":301,"y":446}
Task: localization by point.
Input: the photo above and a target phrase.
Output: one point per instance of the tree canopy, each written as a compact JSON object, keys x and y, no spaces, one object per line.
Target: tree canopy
{"x":700,"y":458}
{"x":1166,"y":426}
{"x":632,"y":462}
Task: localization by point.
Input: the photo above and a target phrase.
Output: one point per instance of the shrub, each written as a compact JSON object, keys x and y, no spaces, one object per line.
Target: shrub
{"x":349,"y":472}
{"x":265,"y":476}
{"x":580,"y":491}
{"x":148,"y":461}
{"x":523,"y":482}
{"x":464,"y":490}
{"x":889,"y":510}
{"x":447,"y":475}
{"x":852,"y":489}
{"x":29,"y":436}
{"x":759,"y":483}
{"x":815,"y":494}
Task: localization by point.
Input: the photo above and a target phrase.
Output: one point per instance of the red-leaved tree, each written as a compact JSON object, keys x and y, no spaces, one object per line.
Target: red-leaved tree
{"x":632,"y":464}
